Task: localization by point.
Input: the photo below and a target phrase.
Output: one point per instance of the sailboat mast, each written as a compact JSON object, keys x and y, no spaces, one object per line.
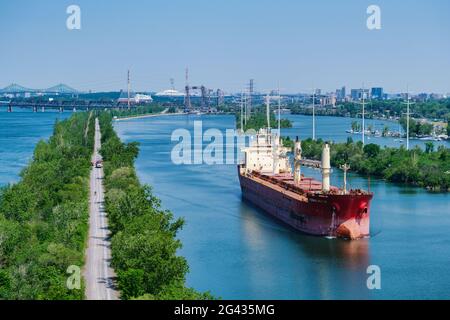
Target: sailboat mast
{"x":363,"y":117}
{"x":128,"y":89}
{"x":407,"y":119}
{"x":279,"y":111}
{"x":314,"y":114}
{"x":242,"y":111}
{"x":268,"y":111}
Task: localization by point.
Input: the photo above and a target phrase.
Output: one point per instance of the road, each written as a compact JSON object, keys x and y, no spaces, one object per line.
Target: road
{"x":98,"y":274}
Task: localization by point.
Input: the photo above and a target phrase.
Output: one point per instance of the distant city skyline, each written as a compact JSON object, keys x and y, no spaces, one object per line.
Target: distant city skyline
{"x":340,"y":93}
{"x":300,"y":45}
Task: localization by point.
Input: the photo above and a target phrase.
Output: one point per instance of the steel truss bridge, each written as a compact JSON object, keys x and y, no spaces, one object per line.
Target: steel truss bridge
{"x":62,"y":105}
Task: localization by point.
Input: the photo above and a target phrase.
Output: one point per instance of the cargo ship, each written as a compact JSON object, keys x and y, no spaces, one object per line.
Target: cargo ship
{"x":310,"y":206}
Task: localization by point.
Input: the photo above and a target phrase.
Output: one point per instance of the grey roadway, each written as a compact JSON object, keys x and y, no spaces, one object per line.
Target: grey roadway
{"x":98,"y":274}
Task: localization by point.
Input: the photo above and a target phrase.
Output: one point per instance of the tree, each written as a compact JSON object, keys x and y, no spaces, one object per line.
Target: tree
{"x":356,"y":127}
{"x":43,"y":218}
{"x":131,"y":283}
{"x":429,"y":147}
{"x":372,"y":150}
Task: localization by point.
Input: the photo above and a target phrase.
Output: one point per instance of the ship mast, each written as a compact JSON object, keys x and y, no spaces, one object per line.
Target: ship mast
{"x":276,"y":155}
{"x":297,"y":161}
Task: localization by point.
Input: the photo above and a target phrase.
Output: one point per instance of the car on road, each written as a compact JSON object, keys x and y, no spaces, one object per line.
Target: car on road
{"x":98,"y":164}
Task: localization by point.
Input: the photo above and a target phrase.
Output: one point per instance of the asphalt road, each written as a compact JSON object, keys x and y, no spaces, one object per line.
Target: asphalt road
{"x":98,"y":274}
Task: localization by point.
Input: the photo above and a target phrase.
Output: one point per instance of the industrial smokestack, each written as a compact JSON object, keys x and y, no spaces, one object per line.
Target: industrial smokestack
{"x":297,"y":160}
{"x":326,"y":168}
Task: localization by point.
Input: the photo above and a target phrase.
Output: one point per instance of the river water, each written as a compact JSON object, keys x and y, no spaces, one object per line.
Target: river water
{"x":19,"y":133}
{"x":237,"y":252}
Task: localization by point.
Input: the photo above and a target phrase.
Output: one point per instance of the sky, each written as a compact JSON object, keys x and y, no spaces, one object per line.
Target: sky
{"x":295,"y":44}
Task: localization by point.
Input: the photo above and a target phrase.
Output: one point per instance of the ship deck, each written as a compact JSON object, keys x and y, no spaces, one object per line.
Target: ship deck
{"x":307,"y":186}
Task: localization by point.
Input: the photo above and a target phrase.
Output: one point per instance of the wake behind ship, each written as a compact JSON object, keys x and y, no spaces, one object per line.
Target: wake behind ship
{"x":307,"y":205}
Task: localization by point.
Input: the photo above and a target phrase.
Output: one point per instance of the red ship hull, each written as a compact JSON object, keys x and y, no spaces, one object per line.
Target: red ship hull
{"x":331,"y":214}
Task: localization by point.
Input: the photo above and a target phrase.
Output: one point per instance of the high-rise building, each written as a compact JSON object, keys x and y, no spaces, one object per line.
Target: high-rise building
{"x":376,"y":93}
{"x":340,"y":94}
{"x":357,"y":94}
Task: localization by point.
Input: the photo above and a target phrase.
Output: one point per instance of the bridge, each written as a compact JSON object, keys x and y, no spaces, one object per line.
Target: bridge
{"x":62,"y":105}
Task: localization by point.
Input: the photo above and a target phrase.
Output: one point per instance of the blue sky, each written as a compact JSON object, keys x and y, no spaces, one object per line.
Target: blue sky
{"x":300,"y":44}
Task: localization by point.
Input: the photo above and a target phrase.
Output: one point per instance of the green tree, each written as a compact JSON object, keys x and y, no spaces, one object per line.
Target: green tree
{"x":132,"y":283}
{"x":372,"y":150}
{"x":429,"y":147}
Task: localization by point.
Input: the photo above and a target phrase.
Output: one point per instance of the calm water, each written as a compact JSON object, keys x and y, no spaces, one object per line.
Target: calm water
{"x":332,"y":128}
{"x":236,"y":251}
{"x":19,"y":133}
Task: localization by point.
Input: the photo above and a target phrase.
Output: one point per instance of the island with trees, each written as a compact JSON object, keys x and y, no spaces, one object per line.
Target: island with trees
{"x":44,"y":217}
{"x":258,"y":120}
{"x":44,"y":221}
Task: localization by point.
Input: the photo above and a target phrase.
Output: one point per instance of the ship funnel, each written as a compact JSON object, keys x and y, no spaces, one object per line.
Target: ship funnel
{"x":297,"y":161}
{"x":326,"y":168}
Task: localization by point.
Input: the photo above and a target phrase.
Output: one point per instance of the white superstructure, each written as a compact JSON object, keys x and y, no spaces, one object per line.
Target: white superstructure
{"x":266,"y":154}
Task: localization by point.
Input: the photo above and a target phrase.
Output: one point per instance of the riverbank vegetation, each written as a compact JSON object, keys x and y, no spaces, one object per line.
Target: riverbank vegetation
{"x":135,"y":111}
{"x":44,"y":217}
{"x":416,"y":128}
{"x":427,"y":168}
{"x":258,"y":120}
{"x":143,"y":235}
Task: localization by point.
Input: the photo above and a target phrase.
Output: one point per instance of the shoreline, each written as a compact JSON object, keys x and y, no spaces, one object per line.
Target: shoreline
{"x":149,"y":115}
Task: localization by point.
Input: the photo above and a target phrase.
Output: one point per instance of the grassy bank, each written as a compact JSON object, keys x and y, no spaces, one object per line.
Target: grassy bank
{"x":428,"y":169}
{"x":44,"y":217}
{"x":136,"y":111}
{"x":144,"y":244}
